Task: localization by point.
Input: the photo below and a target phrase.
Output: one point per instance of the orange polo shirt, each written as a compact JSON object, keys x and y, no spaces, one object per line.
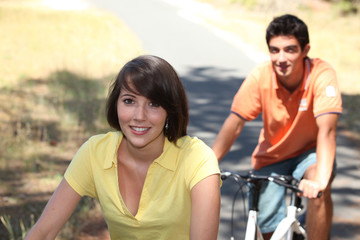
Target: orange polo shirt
{"x":289,"y":118}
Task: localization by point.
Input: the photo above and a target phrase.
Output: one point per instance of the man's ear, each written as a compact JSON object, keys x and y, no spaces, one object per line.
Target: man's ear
{"x":306,"y":50}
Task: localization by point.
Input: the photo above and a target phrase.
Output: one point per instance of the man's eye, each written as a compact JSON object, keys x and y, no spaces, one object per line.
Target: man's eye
{"x":273,"y":50}
{"x":291,"y":50}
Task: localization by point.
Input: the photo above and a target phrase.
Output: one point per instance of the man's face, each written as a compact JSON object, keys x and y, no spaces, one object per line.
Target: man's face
{"x":287,"y":60}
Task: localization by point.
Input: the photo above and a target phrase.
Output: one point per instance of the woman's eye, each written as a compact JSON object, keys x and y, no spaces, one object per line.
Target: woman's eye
{"x":128,"y":101}
{"x":152,"y":104}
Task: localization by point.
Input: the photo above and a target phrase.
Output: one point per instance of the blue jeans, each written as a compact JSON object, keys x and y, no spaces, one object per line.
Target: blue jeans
{"x":272,"y":204}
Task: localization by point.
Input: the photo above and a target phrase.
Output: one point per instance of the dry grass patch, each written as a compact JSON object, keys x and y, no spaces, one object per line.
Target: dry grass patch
{"x":55,"y":71}
{"x":37,"y":42}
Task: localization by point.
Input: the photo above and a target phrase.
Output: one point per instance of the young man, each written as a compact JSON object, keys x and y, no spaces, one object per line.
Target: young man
{"x":300,"y":102}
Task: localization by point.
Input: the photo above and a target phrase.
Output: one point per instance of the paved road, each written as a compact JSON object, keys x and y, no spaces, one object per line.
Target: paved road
{"x":212,"y":70}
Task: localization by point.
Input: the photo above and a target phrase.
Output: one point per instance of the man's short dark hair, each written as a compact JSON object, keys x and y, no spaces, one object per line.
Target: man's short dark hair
{"x":155,"y":79}
{"x":287,"y":25}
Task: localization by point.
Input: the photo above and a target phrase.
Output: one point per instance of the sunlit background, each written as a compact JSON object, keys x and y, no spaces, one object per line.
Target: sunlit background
{"x":57,"y":58}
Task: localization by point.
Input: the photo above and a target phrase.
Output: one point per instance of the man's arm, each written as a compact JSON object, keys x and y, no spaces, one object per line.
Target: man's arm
{"x":325,"y":154}
{"x":230,"y":130}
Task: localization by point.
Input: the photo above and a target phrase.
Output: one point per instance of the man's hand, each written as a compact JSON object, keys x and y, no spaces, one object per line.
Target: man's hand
{"x":310,"y":188}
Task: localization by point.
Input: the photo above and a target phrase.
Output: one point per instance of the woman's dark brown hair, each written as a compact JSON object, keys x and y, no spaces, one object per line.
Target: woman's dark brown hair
{"x":155,"y":79}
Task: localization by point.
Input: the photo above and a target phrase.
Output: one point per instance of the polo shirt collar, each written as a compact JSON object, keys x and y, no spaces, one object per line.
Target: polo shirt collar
{"x":167,"y":158}
{"x":111,"y":156}
{"x":307,"y":73}
{"x":163,"y":160}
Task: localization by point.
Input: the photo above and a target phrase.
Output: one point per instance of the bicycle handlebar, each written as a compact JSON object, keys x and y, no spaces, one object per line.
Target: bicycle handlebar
{"x":282,"y":180}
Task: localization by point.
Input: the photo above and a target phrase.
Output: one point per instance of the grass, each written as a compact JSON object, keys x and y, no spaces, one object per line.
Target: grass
{"x":55,"y":71}
{"x":39,"y":42}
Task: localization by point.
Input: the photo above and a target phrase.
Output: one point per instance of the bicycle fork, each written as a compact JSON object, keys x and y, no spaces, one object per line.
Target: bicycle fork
{"x":252,"y":228}
{"x":290,"y":225}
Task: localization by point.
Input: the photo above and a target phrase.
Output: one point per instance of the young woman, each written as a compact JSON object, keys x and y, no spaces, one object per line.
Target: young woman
{"x":151,"y":179}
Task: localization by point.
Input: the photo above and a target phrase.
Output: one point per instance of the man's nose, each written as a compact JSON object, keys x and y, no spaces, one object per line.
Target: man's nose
{"x":282,"y":56}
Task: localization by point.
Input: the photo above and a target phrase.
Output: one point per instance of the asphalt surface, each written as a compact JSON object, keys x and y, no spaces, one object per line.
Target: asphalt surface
{"x":212,"y":69}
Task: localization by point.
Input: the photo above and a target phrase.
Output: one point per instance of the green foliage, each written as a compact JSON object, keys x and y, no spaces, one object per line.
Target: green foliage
{"x":343,"y":7}
{"x":82,"y":98}
{"x":348,"y":7}
{"x":17,"y":230}
{"x":6,"y":222}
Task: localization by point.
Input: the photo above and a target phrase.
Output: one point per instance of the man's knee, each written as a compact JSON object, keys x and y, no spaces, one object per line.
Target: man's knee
{"x":311,"y":172}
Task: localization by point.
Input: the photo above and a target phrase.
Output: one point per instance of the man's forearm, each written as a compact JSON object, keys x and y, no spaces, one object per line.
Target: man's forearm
{"x":326,"y":149}
{"x":230,"y":130}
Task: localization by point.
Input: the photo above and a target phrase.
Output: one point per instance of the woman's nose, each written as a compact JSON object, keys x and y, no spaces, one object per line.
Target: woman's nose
{"x":140,"y":113}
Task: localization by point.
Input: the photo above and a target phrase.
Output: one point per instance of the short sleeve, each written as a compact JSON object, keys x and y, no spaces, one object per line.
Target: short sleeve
{"x":79,"y":173}
{"x":201,"y":162}
{"x":247,"y":101}
{"x":327,"y":96}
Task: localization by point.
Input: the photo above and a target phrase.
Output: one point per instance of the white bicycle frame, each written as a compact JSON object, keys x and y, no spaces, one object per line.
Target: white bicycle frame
{"x":288,"y":226}
{"x":284,"y":230}
{"x":252,"y":228}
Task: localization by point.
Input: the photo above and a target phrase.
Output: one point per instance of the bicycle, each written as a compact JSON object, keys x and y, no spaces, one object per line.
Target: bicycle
{"x":290,"y":228}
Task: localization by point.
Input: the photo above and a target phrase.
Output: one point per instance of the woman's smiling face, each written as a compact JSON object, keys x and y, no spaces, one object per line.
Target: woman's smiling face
{"x":141,"y":120}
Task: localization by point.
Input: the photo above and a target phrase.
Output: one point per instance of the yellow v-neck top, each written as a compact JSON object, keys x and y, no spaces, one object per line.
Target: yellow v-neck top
{"x":165,"y":204}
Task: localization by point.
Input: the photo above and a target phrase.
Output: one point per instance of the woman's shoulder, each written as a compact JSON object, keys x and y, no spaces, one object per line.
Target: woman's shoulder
{"x":187,"y":141}
{"x":105,"y":139}
{"x":193,"y":147}
{"x":105,"y":136}
{"x":197,"y":159}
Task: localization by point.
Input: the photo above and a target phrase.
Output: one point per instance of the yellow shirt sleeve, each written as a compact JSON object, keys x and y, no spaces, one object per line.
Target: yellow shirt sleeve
{"x":200,"y":161}
{"x":79,"y":173}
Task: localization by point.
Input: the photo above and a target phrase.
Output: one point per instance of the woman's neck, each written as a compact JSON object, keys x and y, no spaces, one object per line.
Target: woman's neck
{"x":145,"y":155}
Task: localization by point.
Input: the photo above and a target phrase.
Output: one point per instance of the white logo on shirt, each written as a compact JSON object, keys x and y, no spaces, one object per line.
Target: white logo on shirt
{"x":303,"y":105}
{"x":330,"y":91}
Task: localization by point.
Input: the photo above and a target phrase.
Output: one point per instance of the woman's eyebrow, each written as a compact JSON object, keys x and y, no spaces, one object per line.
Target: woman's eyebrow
{"x":127,"y":95}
